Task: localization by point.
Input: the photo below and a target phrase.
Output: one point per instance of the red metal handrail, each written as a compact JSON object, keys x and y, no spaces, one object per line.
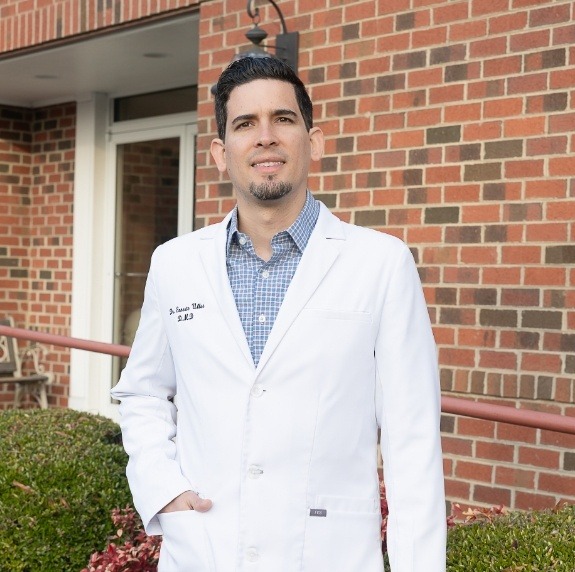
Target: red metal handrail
{"x":455,"y":405}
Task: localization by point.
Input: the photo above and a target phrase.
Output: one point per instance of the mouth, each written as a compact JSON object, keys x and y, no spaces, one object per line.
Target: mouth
{"x":266,"y":164}
{"x":268,"y":167}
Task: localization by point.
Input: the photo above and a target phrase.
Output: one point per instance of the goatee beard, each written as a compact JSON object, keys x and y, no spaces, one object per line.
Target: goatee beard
{"x":271,"y":190}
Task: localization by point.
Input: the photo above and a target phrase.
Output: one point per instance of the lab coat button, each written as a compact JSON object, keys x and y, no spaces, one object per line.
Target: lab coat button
{"x":257,"y":391}
{"x":255,"y":472}
{"x":252,"y":555}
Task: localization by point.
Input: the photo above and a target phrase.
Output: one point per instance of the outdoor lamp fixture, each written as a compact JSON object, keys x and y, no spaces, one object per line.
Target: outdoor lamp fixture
{"x":286,"y":46}
{"x":287,"y":43}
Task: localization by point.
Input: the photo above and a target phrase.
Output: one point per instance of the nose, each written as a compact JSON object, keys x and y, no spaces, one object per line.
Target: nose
{"x":266,"y":135}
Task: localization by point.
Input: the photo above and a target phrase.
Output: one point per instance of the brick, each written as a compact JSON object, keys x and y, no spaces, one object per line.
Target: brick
{"x":444,"y":134}
{"x":494,"y":191}
{"x":498,"y":318}
{"x":475,"y":427}
{"x":520,"y":340}
{"x":498,"y":360}
{"x":554,"y":483}
{"x":482,"y":255}
{"x":502,"y":149}
{"x":441,"y":215}
{"x":538,"y":457}
{"x":527,"y":83}
{"x":371,"y":218}
{"x":545,"y":59}
{"x":466,"y":152}
{"x":562,"y":166}
{"x":507,"y":432}
{"x":562,"y":123}
{"x":533,"y":501}
{"x":471,"y":471}
{"x":541,"y":319}
{"x":446,"y":54}
{"x":409,"y":60}
{"x":499,"y":107}
{"x":492,"y":495}
{"x":569,"y":461}
{"x":541,"y":362}
{"x":502,"y":275}
{"x":447,"y":93}
{"x":523,"y":212}
{"x":564,"y":254}
{"x":531,"y":40}
{"x":456,"y":316}
{"x":525,"y":127}
{"x":508,"y":22}
{"x":488,"y":47}
{"x":465,"y":235}
{"x":544,"y":388}
{"x":390,"y":82}
{"x":482,"y":172}
{"x":550,"y":15}
{"x":515,"y":477}
{"x":547,"y":232}
{"x":547,"y":146}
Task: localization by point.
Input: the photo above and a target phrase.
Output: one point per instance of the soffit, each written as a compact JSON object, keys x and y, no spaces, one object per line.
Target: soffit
{"x":139,"y":60}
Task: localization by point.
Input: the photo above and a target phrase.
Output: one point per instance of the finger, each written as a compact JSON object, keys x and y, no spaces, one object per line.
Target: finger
{"x":200,"y":504}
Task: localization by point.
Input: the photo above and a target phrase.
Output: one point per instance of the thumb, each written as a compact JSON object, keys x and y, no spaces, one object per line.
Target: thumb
{"x":200,"y":504}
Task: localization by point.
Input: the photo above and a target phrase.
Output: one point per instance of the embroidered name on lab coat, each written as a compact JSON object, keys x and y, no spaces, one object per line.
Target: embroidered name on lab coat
{"x":183,"y":314}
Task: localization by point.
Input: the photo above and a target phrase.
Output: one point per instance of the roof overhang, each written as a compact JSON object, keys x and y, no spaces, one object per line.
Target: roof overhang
{"x":145,"y":58}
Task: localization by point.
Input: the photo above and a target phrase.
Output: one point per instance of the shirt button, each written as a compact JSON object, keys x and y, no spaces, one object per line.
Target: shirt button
{"x":242,"y":240}
{"x":257,"y":391}
{"x":265,"y":274}
{"x":261,"y":318}
{"x":252,"y":555}
{"x":255,"y":472}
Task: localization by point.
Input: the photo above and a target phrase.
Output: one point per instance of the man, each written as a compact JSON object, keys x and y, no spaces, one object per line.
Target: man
{"x":271,"y":346}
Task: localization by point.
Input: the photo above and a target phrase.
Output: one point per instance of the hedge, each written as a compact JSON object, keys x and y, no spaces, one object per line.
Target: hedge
{"x":61,"y":473}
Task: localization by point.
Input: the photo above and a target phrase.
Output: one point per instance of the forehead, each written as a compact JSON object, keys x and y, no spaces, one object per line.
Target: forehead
{"x":261,"y":95}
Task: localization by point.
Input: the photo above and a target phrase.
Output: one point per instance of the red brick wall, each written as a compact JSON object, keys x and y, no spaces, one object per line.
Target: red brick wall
{"x":450,"y":125}
{"x":36,"y":199}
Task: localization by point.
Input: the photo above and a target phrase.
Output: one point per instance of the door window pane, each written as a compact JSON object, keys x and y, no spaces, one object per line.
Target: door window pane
{"x":147,"y":216}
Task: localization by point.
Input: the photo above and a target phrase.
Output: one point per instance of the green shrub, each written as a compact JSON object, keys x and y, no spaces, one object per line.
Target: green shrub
{"x":538,"y":541}
{"x":61,"y":473}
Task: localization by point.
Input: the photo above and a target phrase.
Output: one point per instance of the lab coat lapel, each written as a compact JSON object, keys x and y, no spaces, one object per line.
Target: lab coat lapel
{"x":213,"y":255}
{"x":321,"y":252}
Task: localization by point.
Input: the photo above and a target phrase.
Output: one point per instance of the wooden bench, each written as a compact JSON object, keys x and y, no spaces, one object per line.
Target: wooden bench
{"x":11,"y":360}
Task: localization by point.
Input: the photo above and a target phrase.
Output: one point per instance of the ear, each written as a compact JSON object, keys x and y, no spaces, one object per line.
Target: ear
{"x":316,"y":140}
{"x":218,"y":151}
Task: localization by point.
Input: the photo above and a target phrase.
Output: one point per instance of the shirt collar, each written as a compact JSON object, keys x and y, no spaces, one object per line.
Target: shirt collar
{"x":299,"y":231}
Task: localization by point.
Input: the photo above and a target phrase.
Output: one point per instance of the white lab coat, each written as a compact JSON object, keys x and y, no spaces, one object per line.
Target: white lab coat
{"x":287,"y":450}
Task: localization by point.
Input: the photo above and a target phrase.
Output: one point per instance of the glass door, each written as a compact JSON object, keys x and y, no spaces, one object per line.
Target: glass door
{"x":154,"y":200}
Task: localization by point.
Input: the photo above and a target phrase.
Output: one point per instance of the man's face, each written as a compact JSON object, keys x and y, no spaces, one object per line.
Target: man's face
{"x":267,"y":148}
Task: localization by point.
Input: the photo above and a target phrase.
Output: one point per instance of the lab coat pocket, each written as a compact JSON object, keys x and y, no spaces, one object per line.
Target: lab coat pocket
{"x":343,"y":534}
{"x":185,"y":543}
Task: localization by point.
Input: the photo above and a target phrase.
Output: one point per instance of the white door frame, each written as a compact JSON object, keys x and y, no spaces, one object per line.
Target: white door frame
{"x":94,"y":234}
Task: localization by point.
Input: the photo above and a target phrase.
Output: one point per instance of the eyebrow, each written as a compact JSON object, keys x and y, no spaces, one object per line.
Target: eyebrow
{"x":275,"y":113}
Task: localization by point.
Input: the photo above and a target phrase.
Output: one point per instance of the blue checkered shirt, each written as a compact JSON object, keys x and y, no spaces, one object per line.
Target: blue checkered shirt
{"x":258,"y":286}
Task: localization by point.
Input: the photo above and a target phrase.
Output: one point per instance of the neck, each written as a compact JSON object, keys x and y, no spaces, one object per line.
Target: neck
{"x":261,"y":221}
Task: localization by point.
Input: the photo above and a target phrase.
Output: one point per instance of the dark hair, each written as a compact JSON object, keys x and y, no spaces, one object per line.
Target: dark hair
{"x":247,"y":69}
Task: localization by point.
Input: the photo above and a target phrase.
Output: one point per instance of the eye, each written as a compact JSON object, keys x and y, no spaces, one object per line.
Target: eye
{"x":284,"y":119}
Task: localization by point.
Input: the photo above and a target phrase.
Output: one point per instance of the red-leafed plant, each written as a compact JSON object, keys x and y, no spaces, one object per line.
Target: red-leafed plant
{"x":130,"y":549}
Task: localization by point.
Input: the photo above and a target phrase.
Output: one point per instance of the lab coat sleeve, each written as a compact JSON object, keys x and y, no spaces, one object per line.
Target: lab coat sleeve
{"x":148,"y":415}
{"x":406,"y":363}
